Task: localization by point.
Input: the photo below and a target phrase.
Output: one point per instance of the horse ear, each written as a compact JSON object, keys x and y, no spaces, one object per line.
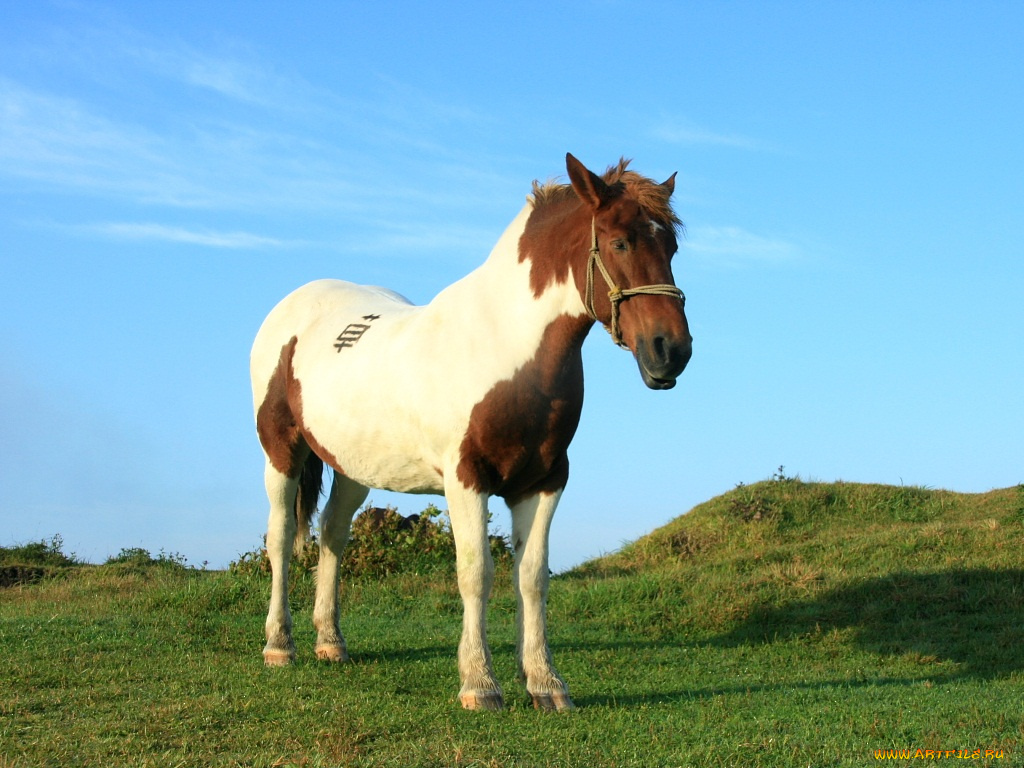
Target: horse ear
{"x":588,"y":186}
{"x":670,"y":184}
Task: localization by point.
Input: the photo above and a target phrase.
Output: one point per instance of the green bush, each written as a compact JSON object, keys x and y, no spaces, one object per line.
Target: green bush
{"x":29,"y":563}
{"x":39,"y":553}
{"x":383,"y":542}
{"x":136,"y":556}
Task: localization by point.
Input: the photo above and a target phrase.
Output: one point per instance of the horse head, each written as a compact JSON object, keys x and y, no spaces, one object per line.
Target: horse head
{"x":633,"y":239}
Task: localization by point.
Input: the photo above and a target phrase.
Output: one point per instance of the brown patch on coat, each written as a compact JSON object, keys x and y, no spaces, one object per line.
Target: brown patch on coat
{"x":279,"y":431}
{"x":518,"y":434}
{"x":556,"y":238}
{"x":285,"y":438}
{"x":557,"y":235}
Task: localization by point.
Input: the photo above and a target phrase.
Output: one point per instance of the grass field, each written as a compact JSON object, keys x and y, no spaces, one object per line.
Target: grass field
{"x":784,"y":623}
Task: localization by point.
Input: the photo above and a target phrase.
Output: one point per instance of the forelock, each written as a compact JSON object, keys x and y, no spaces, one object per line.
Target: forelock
{"x":651,"y":196}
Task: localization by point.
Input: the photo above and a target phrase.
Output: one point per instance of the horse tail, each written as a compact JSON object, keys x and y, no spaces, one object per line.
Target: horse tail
{"x":310,"y":486}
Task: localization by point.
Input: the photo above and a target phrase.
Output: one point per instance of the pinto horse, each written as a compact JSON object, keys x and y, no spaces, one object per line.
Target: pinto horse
{"x":476,"y":394}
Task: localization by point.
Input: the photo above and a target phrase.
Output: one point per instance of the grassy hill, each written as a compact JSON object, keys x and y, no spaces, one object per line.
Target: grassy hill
{"x":933,"y":575}
{"x":783,"y":623}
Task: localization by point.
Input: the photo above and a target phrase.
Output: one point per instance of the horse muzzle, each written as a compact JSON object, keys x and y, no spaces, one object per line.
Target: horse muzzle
{"x":661,"y":359}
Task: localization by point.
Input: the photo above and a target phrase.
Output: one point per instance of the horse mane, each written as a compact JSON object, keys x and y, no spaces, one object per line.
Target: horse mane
{"x":648,"y":194}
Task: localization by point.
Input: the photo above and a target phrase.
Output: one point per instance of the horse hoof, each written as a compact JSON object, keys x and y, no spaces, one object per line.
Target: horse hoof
{"x":332,"y":653}
{"x":278,"y":658}
{"x":552,"y":702}
{"x":482,"y":700}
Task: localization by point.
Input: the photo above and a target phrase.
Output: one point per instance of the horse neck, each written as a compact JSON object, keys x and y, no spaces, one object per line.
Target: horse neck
{"x":508,"y":299}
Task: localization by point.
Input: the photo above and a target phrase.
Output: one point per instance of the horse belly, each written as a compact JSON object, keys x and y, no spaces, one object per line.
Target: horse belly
{"x":380,"y":462}
{"x":370,"y":437}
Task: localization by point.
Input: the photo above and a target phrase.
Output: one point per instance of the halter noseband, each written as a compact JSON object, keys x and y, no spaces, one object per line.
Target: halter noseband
{"x":615,"y":294}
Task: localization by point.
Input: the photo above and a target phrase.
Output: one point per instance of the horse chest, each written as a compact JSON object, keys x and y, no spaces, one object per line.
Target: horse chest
{"x":516,"y":440}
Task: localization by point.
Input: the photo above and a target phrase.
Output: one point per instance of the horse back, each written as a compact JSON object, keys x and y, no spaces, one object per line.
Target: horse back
{"x":319,"y":307}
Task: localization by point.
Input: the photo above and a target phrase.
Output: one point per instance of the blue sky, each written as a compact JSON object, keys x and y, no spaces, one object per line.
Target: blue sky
{"x":851,"y":176}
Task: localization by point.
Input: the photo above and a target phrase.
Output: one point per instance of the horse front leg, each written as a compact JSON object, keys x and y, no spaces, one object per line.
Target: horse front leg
{"x":531,"y":523}
{"x":335,"y":524}
{"x":281,"y":492}
{"x":468,"y":512}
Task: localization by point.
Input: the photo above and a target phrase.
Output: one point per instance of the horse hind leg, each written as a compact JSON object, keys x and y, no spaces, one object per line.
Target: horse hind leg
{"x":335,"y":523}
{"x":281,"y":526}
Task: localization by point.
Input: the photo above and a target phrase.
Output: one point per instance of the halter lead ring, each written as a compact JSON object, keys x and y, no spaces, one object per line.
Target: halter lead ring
{"x":615,"y":294}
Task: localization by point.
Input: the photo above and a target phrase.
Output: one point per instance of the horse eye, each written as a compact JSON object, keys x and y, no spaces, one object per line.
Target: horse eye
{"x":619,"y":245}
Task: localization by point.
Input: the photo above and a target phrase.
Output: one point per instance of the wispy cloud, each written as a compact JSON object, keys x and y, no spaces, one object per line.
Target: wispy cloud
{"x":734,"y":246}
{"x":237,"y":79}
{"x":63,"y":143}
{"x":227,"y":78}
{"x":167,"y":129}
{"x":310,"y":159}
{"x":162,"y":232}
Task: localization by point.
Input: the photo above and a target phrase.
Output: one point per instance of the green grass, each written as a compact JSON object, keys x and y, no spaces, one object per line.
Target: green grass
{"x":782,"y":624}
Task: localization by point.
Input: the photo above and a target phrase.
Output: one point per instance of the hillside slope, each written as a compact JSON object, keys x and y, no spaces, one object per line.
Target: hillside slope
{"x":928,"y":574}
{"x":785,"y":518}
{"x":781,"y":624}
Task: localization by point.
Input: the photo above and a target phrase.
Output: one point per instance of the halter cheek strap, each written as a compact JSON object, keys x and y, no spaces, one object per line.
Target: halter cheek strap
{"x":615,"y":294}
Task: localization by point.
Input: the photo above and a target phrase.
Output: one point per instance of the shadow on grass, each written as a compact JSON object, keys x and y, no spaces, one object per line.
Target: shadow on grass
{"x":671,"y":697}
{"x":974,"y":618}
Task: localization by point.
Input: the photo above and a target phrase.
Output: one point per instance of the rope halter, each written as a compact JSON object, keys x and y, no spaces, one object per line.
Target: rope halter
{"x":615,"y":294}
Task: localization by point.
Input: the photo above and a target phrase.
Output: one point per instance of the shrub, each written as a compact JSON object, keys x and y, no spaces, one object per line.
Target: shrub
{"x":136,"y":556}
{"x":29,"y":563}
{"x":42,"y":552}
{"x":383,"y":542}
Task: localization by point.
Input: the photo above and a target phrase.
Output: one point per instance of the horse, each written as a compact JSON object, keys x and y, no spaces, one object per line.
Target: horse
{"x":476,"y":394}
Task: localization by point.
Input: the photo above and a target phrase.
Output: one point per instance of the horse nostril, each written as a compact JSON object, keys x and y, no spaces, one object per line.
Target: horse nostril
{"x":662,"y":359}
{"x":670,"y":354}
{"x":660,"y":349}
